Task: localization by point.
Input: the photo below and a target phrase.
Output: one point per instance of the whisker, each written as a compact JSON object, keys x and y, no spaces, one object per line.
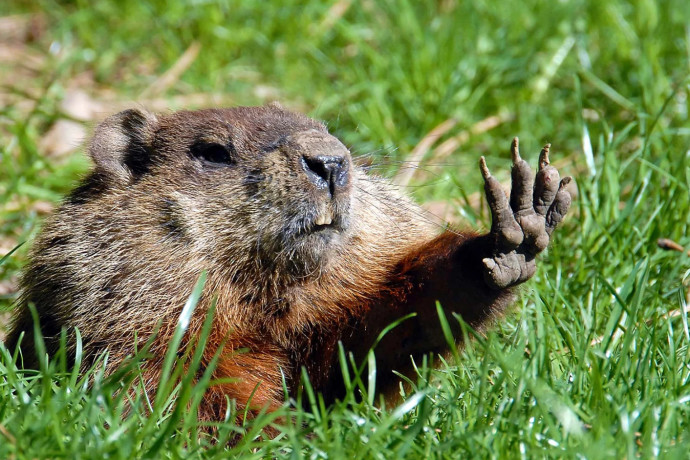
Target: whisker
{"x":382,"y":212}
{"x":382,"y":180}
{"x":416,"y":211}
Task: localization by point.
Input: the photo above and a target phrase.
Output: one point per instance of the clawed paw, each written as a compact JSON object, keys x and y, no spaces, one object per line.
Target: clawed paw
{"x":521,"y":227}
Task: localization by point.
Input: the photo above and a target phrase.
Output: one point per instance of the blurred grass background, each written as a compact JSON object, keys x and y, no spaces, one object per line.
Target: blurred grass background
{"x":594,"y":361}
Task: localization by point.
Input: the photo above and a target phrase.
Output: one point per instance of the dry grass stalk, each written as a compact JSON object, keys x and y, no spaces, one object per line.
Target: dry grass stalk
{"x":405,"y":175}
{"x":169,"y":78}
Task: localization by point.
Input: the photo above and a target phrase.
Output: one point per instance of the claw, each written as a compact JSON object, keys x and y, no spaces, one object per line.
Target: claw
{"x":485,"y":170}
{"x":489,"y":263}
{"x":503,"y":224}
{"x":546,"y":184}
{"x":515,"y":150}
{"x":544,"y":157}
{"x":522,"y":182}
{"x":560,"y":206}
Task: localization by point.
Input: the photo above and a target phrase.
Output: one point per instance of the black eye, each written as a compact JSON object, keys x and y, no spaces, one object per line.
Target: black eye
{"x":212,"y":153}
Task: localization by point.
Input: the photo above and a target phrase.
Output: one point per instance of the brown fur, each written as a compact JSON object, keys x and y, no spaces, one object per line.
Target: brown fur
{"x":124,"y":250}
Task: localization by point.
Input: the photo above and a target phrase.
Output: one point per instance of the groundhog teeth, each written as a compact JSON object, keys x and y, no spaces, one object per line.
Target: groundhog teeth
{"x":325,"y":217}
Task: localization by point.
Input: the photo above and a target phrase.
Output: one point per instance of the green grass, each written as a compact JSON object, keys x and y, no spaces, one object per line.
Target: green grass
{"x":592,"y":363}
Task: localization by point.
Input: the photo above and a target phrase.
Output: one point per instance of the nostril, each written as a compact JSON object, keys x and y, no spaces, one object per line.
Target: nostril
{"x":326,"y":171}
{"x":317,"y":166}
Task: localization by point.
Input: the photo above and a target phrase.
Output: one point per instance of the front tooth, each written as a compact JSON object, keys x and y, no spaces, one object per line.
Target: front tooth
{"x":328,"y":215}
{"x":321,"y":219}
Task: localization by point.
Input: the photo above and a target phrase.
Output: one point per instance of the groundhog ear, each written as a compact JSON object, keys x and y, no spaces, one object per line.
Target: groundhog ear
{"x":121,"y":145}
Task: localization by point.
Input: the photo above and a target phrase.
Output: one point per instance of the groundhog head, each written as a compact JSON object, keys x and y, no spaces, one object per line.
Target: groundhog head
{"x":258,"y":183}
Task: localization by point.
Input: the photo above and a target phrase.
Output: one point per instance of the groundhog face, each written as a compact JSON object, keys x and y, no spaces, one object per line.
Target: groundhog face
{"x":258,"y":182}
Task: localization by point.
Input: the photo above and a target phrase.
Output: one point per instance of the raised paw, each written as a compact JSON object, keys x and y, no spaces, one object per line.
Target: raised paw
{"x":521,"y":227}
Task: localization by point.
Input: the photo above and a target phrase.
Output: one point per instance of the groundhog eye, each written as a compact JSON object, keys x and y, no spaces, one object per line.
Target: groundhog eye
{"x":212,"y":153}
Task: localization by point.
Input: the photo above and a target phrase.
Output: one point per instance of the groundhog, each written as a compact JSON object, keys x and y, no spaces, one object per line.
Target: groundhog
{"x":302,"y":248}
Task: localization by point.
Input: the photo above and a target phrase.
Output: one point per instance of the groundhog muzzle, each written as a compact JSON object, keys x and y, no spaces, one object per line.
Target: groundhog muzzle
{"x":303,"y":250}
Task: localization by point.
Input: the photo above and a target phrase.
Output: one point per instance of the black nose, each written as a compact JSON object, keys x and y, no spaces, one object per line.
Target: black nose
{"x":326,"y":171}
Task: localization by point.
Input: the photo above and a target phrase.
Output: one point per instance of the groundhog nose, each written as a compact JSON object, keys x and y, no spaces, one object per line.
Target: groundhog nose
{"x":326,"y":171}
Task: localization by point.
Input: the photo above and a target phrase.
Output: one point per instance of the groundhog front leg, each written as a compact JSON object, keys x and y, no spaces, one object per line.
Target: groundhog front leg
{"x":522,"y":228}
{"x":469,"y":274}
